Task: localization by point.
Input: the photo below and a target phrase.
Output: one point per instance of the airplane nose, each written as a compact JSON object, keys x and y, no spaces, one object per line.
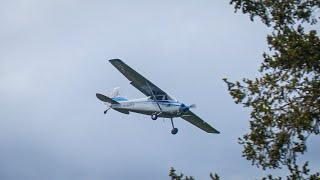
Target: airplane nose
{"x":184,"y":108}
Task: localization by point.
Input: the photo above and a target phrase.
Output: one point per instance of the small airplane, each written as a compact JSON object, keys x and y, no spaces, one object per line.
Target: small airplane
{"x":156,"y":104}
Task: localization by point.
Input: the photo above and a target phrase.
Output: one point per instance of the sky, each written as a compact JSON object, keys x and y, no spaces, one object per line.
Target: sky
{"x":53,"y":59}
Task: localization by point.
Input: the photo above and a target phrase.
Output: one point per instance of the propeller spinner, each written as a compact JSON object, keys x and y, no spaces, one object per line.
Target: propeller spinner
{"x":185,"y":108}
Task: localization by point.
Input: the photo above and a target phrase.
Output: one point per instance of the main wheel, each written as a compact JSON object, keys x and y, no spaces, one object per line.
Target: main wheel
{"x":154,"y":117}
{"x":174,"y":131}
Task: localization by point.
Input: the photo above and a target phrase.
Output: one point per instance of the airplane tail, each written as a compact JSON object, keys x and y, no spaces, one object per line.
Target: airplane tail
{"x":113,"y":98}
{"x":115,"y":92}
{"x":106,"y":99}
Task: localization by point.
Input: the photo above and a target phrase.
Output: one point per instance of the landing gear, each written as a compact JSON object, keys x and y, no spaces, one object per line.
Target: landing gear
{"x":174,"y":130}
{"x":154,"y":116}
{"x":105,"y":112}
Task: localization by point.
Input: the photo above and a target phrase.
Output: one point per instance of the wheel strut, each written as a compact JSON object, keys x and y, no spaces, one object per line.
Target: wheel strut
{"x":105,"y":112}
{"x":172,"y":123}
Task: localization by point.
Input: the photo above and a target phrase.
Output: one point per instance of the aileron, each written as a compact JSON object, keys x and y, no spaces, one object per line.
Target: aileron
{"x":197,"y":121}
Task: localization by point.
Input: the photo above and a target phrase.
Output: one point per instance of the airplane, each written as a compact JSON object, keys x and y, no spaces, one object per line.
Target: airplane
{"x":157,"y":103}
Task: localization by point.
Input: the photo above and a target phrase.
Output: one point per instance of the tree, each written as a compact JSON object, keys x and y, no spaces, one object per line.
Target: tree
{"x":175,"y":176}
{"x":285,"y":100}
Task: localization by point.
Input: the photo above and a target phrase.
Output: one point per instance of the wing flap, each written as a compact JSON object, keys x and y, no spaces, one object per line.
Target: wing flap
{"x":198,"y":122}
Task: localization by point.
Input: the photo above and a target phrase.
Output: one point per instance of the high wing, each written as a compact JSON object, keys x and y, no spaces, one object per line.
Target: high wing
{"x":151,"y":90}
{"x":197,"y":121}
{"x":140,"y":82}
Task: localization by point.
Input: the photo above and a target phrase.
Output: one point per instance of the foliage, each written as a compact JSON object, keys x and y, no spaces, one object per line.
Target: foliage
{"x":175,"y":176}
{"x":280,"y":14}
{"x":285,"y":100}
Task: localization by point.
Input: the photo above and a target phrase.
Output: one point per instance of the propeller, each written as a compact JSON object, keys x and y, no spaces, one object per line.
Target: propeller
{"x":193,"y":106}
{"x":185,"y":108}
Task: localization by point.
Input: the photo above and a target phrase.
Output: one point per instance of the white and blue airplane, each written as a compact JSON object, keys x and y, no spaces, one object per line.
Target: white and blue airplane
{"x":156,"y":104}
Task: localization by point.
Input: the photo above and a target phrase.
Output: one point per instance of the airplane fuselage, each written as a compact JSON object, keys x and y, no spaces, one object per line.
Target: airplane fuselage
{"x":157,"y":103}
{"x":168,"y":108}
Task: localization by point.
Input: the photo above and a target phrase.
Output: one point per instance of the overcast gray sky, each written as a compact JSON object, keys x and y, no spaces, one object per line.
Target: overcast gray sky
{"x":53,"y":60}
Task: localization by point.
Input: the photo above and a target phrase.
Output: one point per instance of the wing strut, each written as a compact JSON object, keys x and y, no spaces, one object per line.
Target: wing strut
{"x":154,"y":97}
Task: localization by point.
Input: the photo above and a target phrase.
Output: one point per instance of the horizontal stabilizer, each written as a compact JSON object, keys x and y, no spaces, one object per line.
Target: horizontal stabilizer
{"x":122,"y":111}
{"x":104,"y":98}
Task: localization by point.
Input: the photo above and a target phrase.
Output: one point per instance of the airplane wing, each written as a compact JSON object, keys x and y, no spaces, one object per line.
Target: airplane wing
{"x":197,"y":121}
{"x":140,"y":82}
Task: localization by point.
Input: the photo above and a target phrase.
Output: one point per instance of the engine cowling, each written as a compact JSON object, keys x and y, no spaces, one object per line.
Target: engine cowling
{"x":184,"y":108}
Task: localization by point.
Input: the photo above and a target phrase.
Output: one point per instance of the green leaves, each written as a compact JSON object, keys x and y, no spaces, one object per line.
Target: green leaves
{"x":279,"y":14}
{"x":175,"y":176}
{"x":285,"y":100}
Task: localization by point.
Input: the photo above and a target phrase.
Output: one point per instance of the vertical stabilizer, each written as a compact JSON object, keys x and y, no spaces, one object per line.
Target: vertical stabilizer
{"x":115,"y":92}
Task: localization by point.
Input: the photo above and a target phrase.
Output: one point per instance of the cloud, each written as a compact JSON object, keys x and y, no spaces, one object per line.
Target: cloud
{"x":53,"y":61}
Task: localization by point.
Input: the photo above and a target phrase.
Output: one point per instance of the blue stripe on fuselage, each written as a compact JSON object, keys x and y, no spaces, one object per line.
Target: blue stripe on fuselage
{"x":172,"y":103}
{"x":163,"y":102}
{"x":119,"y":99}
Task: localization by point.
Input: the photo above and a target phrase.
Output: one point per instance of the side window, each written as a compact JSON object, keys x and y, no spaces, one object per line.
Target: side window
{"x":160,"y":97}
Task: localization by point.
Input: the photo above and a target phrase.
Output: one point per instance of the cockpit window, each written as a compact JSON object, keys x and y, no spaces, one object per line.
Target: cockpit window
{"x":159,"y":97}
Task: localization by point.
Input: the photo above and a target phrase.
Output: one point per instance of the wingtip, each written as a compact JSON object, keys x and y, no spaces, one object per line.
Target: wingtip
{"x":114,"y":60}
{"x":214,"y":131}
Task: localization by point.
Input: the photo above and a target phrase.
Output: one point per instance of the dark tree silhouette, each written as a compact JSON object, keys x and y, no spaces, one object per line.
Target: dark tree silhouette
{"x":175,"y":176}
{"x":285,"y":100}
